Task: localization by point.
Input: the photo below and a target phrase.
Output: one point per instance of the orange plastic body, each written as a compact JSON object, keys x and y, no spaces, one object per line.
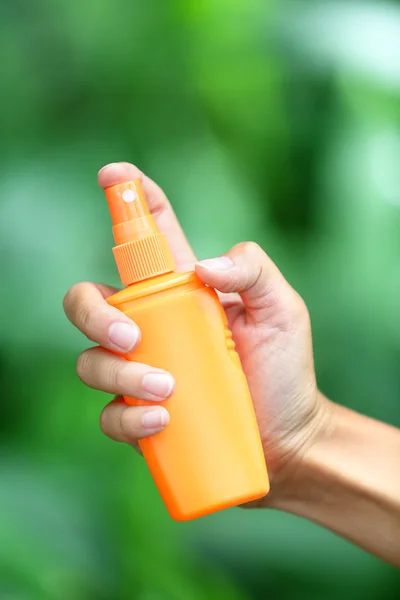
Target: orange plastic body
{"x":210,"y":456}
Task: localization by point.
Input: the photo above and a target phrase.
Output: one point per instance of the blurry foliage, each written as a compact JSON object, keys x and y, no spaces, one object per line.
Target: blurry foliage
{"x":272,"y":121}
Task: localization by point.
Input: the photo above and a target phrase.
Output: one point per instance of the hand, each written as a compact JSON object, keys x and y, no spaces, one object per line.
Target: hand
{"x":270,"y":325}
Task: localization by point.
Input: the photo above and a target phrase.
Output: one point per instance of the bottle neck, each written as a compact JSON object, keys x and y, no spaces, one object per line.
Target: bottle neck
{"x":144,"y":258}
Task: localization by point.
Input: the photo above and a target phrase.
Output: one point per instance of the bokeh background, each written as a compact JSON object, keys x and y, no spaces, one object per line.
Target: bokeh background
{"x":267,"y":120}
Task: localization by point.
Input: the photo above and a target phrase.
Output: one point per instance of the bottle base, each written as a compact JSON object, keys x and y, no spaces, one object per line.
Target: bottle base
{"x":227,"y":503}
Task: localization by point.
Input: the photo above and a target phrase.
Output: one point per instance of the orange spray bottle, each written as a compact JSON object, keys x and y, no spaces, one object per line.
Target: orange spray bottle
{"x":210,"y":456}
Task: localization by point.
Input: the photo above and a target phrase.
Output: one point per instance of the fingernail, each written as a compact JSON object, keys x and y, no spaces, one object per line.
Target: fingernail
{"x":158,"y":384}
{"x":155,"y":418}
{"x":106,"y":167}
{"x":222,"y":263}
{"x":124,"y":335}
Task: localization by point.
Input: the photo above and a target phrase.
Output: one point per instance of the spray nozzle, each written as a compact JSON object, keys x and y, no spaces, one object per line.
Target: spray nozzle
{"x":141,"y":251}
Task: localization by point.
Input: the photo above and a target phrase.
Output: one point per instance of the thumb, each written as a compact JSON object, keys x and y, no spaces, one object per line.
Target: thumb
{"x":267,"y":296}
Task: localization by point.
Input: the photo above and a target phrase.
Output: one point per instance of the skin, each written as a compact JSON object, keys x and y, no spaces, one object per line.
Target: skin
{"x":316,"y":451}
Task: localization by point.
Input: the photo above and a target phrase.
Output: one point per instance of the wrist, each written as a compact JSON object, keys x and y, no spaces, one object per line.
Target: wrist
{"x":344,"y":475}
{"x":287,"y":481}
{"x":348,"y":481}
{"x":310,"y":471}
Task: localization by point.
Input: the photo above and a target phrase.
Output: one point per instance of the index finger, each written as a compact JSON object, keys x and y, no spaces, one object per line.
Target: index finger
{"x":86,"y":307}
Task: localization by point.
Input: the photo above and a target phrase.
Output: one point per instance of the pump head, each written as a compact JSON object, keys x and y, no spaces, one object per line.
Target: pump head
{"x":141,"y":250}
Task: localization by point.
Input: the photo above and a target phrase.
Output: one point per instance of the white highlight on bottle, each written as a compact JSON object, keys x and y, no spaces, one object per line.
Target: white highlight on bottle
{"x":128,"y":196}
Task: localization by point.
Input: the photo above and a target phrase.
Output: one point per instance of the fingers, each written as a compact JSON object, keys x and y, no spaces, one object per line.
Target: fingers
{"x":104,"y":371}
{"x":86,"y":308}
{"x":266,"y":294}
{"x":159,"y":206}
{"x":129,"y":424}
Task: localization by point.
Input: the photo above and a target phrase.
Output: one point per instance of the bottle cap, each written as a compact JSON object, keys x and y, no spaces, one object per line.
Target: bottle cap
{"x":141,"y":250}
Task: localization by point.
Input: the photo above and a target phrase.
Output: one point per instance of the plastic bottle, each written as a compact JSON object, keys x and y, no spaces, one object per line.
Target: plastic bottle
{"x":210,"y":456}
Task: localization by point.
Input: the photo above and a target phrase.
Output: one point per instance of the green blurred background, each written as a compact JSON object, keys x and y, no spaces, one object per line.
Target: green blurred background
{"x":267,"y":120}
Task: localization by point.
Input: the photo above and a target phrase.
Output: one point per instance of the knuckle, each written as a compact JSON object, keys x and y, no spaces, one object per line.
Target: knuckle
{"x":69,"y":299}
{"x":129,"y":428}
{"x":76,"y":305}
{"x":72,"y":295}
{"x":115,"y":375}
{"x":84,"y":315}
{"x":103,"y":419}
{"x":252,"y":250}
{"x":253,"y":255}
{"x":83,"y":365}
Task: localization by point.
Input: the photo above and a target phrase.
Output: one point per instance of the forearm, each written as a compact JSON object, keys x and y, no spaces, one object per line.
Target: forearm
{"x":349,"y":482}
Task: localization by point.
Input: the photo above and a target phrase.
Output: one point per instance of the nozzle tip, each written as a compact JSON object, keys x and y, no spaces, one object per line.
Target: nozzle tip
{"x":127,"y":204}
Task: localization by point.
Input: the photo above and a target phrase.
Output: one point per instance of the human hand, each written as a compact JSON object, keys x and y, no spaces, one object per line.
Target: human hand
{"x":270,"y":325}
